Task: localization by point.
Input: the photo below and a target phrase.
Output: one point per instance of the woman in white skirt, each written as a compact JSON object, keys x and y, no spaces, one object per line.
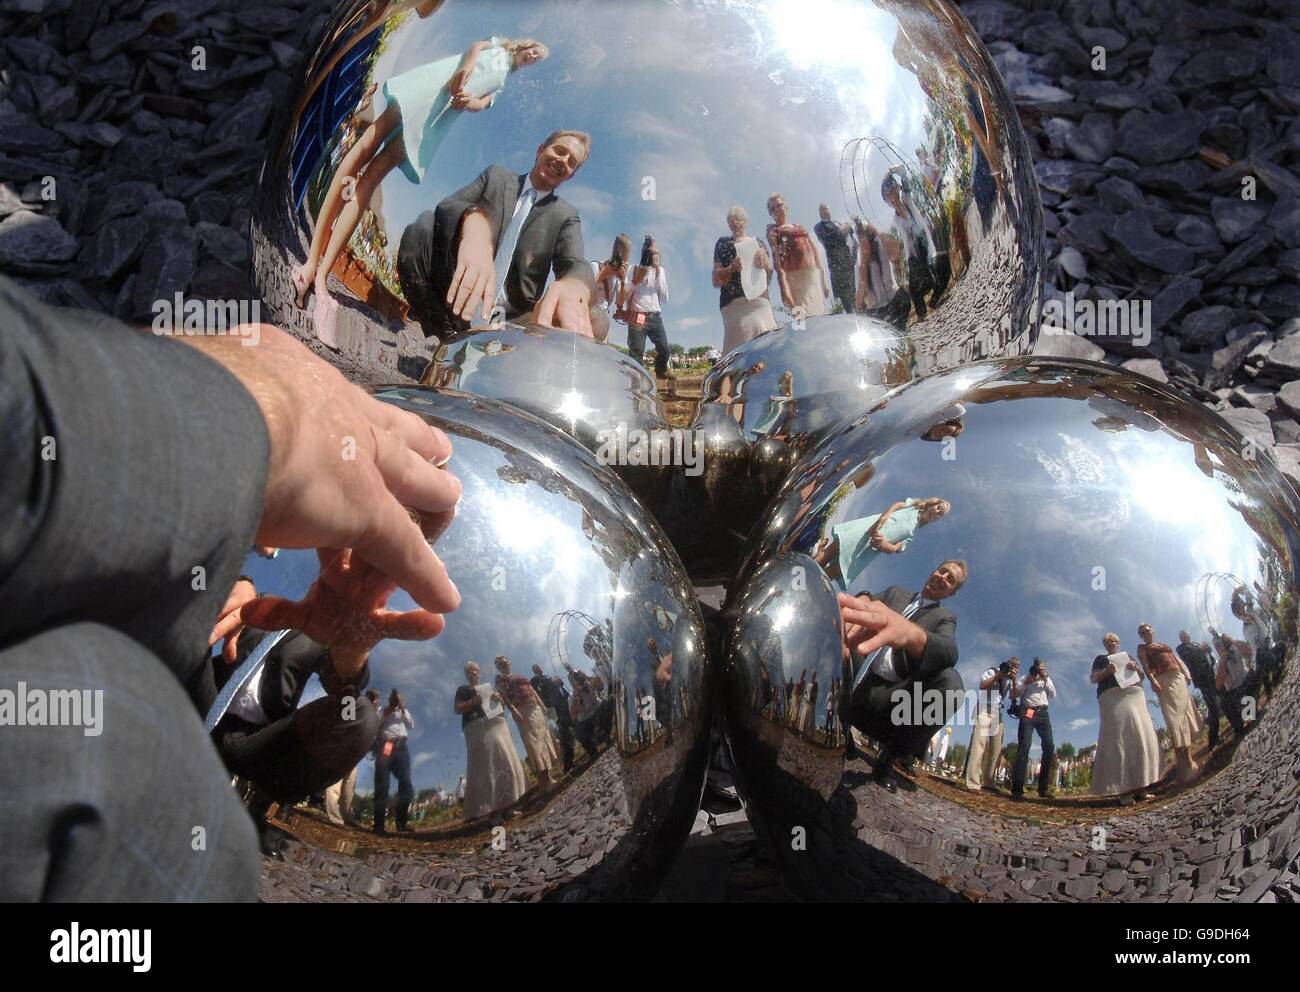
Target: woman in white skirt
{"x":530,"y":716}
{"x":743,"y":319}
{"x":494,"y":778}
{"x":1128,"y":758}
{"x":803,"y":281}
{"x":1172,"y":682}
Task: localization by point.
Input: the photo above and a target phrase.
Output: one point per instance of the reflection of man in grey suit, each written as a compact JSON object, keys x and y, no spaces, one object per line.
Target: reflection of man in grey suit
{"x":448,"y":262}
{"x":902,"y":644}
{"x":289,"y":751}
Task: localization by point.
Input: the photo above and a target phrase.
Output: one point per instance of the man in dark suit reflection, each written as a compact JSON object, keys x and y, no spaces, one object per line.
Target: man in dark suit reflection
{"x":903,"y":647}
{"x":286,"y":750}
{"x":492,"y":244}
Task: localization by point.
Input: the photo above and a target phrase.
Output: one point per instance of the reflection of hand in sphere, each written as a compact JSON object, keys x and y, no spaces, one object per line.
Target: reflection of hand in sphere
{"x":229,"y":624}
{"x":344,"y":465}
{"x":474,"y":282}
{"x":345,"y":609}
{"x":869,"y":625}
{"x":566,"y":305}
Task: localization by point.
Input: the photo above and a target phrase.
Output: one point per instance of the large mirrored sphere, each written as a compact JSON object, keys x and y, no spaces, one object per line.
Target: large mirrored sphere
{"x":594,"y":393}
{"x":770,"y":160}
{"x":774,"y":397}
{"x":1024,"y":509}
{"x":563,"y":575}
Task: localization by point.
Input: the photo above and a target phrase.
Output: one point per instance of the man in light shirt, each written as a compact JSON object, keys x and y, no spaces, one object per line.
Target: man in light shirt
{"x":1232,"y":677}
{"x":1033,"y":694}
{"x":986,"y":736}
{"x":647,"y":294}
{"x":393,"y":758}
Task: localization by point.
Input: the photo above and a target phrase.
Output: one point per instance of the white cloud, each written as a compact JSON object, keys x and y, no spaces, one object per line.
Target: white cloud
{"x":593,"y":204}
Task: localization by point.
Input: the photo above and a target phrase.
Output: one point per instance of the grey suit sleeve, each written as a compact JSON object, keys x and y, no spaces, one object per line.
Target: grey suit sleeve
{"x":570,"y":259}
{"x":134,"y":475}
{"x":940,"y":645}
{"x":940,"y":634}
{"x":451,"y":209}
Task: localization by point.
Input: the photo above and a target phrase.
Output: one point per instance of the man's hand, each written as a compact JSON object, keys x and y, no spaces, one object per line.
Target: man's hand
{"x":474,"y":283}
{"x":229,"y":622}
{"x":347,"y":470}
{"x":344,"y":609}
{"x":869,"y":625}
{"x":566,"y":305}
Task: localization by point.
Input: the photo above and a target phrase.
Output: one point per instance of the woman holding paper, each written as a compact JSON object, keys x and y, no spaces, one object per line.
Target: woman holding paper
{"x":494,"y":776}
{"x":1128,"y":753}
{"x":737,"y":262}
{"x":1171,"y":681}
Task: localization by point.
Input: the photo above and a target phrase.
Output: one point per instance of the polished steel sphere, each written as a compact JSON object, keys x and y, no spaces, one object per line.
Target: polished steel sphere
{"x":771,"y":399}
{"x":594,"y":393}
{"x":567,"y":577}
{"x":872,"y":149}
{"x":1023,"y":508}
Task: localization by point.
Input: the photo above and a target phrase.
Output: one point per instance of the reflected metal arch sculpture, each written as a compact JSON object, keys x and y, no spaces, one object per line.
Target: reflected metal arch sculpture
{"x":1205,"y":611}
{"x":557,"y":649}
{"x":1082,"y":499}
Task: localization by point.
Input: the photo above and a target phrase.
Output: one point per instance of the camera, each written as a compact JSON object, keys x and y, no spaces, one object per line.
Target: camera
{"x":647,"y":251}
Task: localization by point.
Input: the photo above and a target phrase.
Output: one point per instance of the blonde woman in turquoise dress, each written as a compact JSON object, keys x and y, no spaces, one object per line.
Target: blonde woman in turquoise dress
{"x":423,"y":105}
{"x":853,"y":544}
{"x":779,"y":409}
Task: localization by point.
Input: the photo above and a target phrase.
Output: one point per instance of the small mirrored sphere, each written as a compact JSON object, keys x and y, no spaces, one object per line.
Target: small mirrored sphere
{"x":594,"y":393}
{"x":691,"y":174}
{"x":770,"y":399}
{"x":1065,"y":538}
{"x":579,"y":774}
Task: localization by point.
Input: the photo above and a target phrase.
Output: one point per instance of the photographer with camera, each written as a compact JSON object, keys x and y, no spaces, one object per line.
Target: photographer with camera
{"x":986,"y":736}
{"x":1030,"y":698}
{"x":393,"y":757}
{"x":645,"y":301}
{"x":611,"y":278}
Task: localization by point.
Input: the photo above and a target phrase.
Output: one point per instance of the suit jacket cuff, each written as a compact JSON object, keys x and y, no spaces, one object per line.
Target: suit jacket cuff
{"x":144,"y":515}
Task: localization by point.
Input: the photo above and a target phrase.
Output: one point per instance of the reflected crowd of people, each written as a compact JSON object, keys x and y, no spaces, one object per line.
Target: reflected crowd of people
{"x":795,"y":705}
{"x":900,"y":646}
{"x":1127,"y":762}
